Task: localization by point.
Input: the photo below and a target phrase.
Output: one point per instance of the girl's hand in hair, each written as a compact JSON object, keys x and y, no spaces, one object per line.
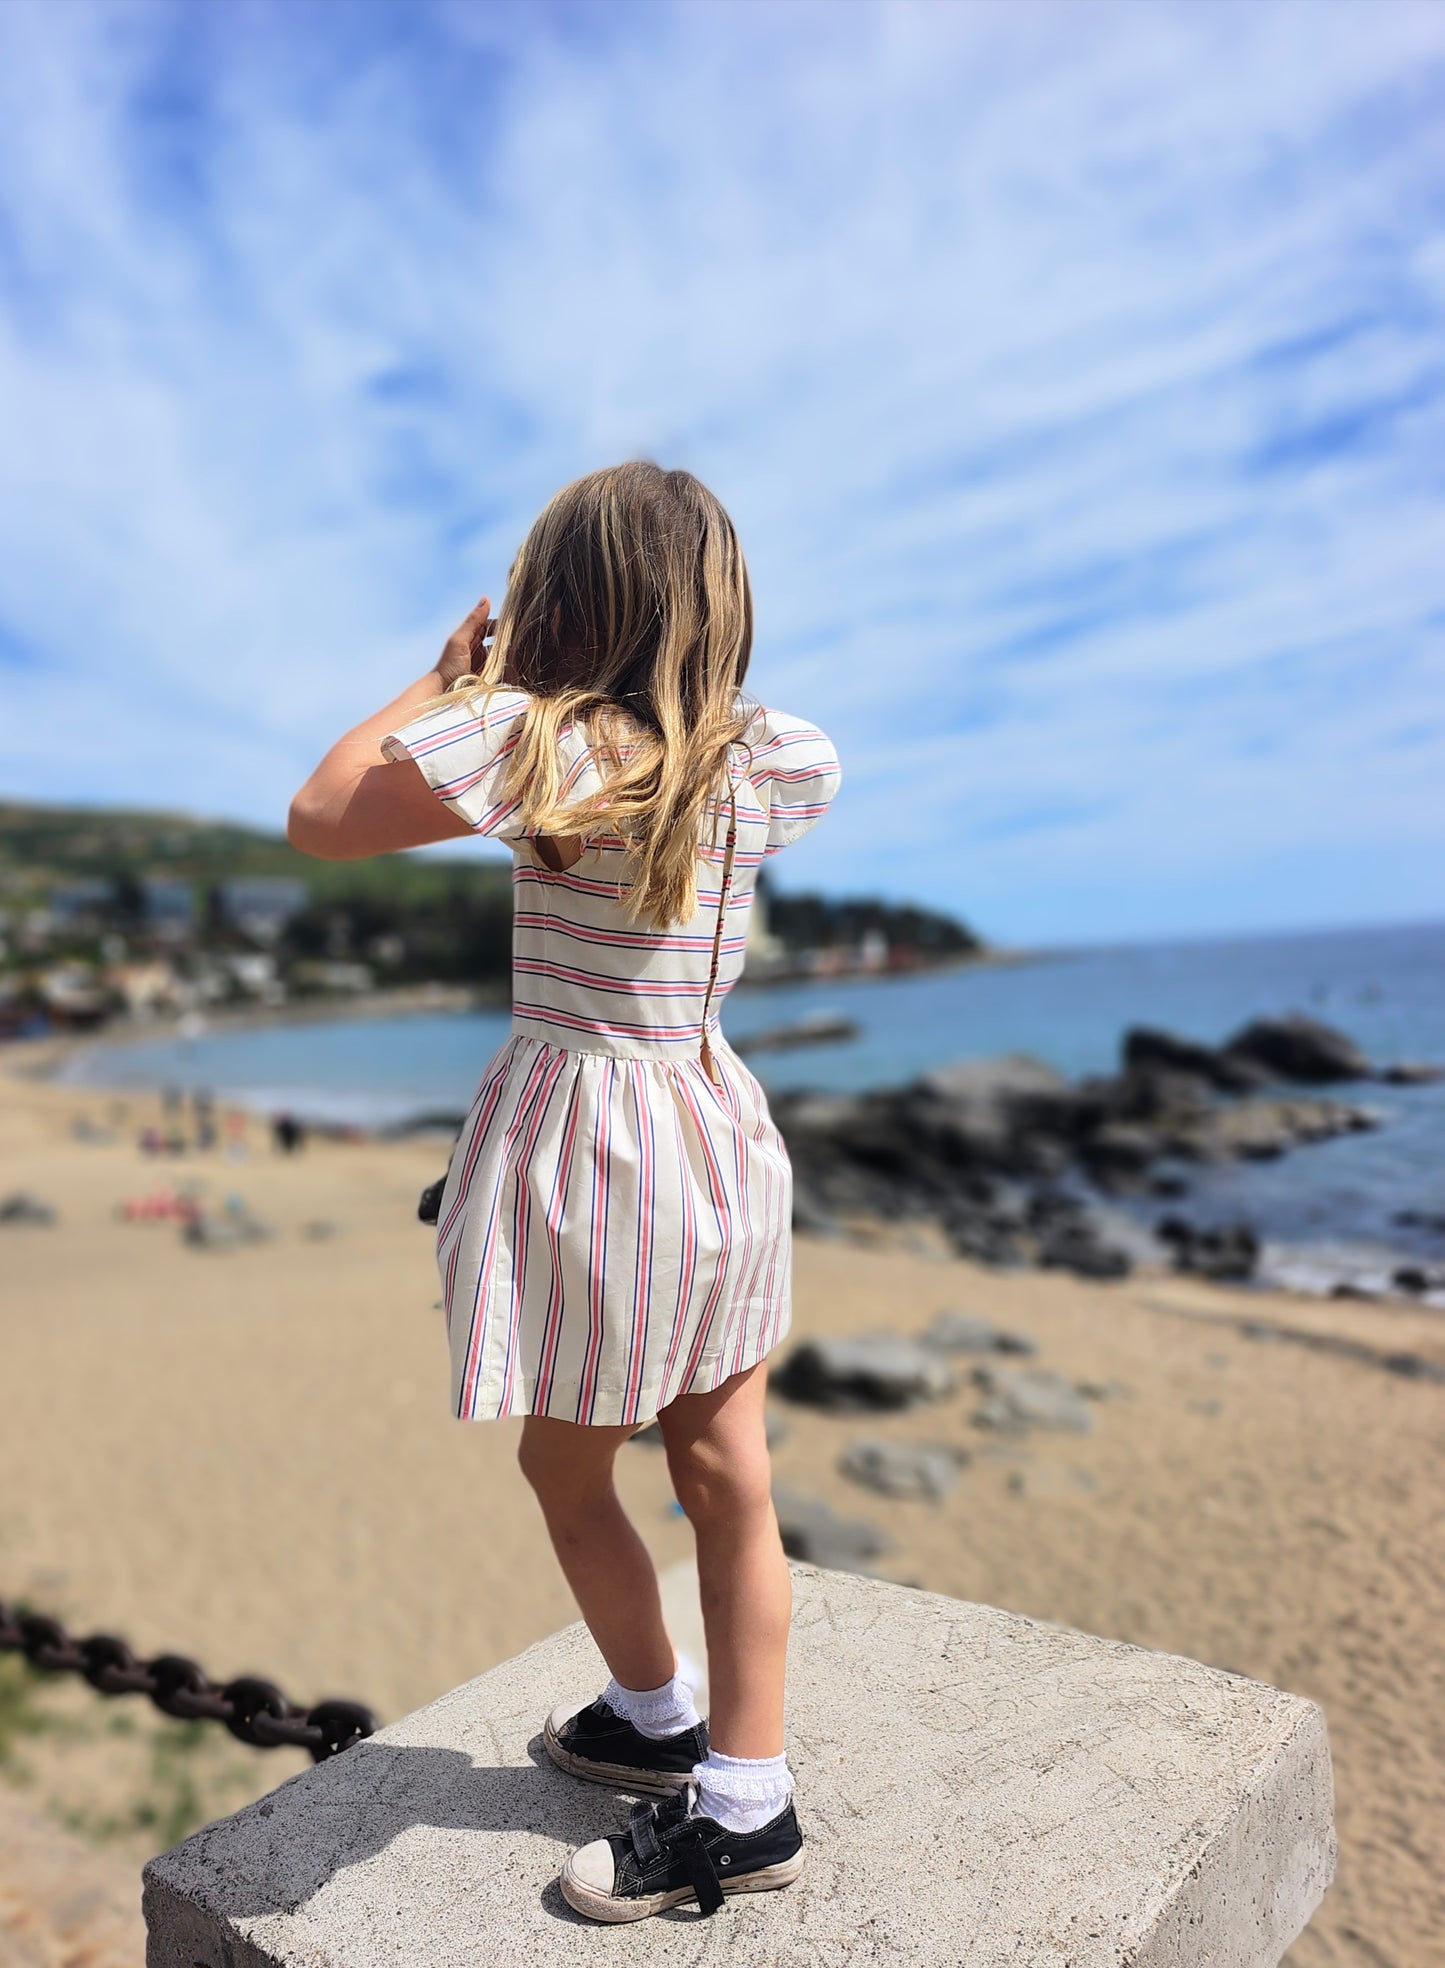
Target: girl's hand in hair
{"x":465,"y":650}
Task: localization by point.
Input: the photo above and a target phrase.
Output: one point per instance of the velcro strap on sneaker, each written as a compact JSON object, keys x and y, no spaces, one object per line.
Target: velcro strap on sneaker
{"x":642,"y":1830}
{"x":701,"y":1872}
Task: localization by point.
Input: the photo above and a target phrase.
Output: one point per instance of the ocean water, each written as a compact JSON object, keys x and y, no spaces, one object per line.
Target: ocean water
{"x":1336,"y":1202}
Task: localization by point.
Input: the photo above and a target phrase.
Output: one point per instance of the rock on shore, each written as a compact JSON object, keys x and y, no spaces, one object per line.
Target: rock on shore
{"x":1298,"y":1048}
{"x":863,"y":1371}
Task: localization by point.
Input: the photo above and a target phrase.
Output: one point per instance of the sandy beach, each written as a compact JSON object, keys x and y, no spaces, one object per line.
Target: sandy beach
{"x":245,"y":1455}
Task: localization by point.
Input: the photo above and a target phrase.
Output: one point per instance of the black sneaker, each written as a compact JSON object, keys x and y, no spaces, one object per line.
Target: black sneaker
{"x":600,"y":1746}
{"x":668,"y":1855}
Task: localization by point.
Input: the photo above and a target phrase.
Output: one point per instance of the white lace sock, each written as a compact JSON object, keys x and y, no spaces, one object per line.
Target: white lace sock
{"x":742,"y":1792}
{"x":656,"y":1712}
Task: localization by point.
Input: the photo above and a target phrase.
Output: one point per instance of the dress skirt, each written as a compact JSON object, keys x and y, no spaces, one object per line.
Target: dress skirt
{"x":614,"y":1231}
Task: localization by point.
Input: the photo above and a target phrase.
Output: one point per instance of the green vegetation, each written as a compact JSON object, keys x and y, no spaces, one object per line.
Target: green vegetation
{"x":173,"y":1776}
{"x":189,"y":1779}
{"x":42,"y":847}
{"x":22,"y":1715}
{"x":822,"y":922}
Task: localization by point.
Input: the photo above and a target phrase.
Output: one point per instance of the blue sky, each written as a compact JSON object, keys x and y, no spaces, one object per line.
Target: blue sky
{"x":1075,"y":375}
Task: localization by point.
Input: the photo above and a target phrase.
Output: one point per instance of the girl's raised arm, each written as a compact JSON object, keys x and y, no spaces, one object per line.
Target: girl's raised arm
{"x":357,"y":802}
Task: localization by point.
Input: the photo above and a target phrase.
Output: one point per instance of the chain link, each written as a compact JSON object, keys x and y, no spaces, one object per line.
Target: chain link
{"x":255,"y":1711}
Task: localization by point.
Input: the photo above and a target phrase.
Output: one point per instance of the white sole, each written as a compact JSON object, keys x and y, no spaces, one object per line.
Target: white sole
{"x":603,"y":1906}
{"x":617,"y":1776}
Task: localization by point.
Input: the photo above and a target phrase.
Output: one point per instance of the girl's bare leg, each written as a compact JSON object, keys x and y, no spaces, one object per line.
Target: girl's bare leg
{"x":607,"y":1565}
{"x":718,"y":1454}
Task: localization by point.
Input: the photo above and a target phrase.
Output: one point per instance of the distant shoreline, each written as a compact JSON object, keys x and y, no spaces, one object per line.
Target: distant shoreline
{"x":407,"y":1001}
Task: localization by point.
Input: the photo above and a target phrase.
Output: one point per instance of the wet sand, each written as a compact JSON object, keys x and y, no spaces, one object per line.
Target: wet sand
{"x":245,"y":1455}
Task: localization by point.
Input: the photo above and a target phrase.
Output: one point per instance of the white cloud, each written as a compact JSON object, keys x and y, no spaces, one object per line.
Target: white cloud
{"x":1072,"y":373}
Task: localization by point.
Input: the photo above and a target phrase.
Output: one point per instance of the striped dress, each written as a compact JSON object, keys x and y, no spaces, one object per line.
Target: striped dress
{"x":616,"y":1226}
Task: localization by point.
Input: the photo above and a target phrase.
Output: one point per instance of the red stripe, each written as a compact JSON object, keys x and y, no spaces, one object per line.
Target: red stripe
{"x":464,"y":781}
{"x":556,"y":1206}
{"x":687,"y":1264}
{"x":475,"y":1143}
{"x":740,"y":1156}
{"x":483,"y":1107}
{"x":778,"y":1211}
{"x":601,"y":980}
{"x":574,"y":773}
{"x":521,"y":1212}
{"x":717,"y":1195}
{"x":738,"y":1311}
{"x":762,"y":1128}
{"x":780,"y":1245}
{"x":468,"y":725}
{"x":620,"y":939}
{"x":579,"y":884}
{"x":597,"y":1248}
{"x":541,"y":1014}
{"x":614,"y":892}
{"x":481,"y":1298}
{"x":642,"y":1260}
{"x":784,"y":741}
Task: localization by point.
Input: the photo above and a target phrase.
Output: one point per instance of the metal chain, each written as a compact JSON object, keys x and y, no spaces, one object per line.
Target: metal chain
{"x":255,"y":1711}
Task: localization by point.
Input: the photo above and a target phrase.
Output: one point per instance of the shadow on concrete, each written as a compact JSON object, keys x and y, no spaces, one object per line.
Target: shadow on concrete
{"x":283,"y":1849}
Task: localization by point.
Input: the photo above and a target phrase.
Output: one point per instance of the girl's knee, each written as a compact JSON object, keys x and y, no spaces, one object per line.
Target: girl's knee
{"x":718,"y":1483}
{"x":556,"y":1470}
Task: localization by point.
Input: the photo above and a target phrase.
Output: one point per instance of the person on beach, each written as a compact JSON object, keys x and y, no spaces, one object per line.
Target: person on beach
{"x":614,"y":1234}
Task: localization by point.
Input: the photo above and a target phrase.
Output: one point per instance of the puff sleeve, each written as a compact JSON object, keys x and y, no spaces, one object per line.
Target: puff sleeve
{"x":464,"y":750}
{"x":795,"y":773}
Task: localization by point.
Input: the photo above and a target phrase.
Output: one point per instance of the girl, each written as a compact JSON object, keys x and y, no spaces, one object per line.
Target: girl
{"x":614,"y":1234}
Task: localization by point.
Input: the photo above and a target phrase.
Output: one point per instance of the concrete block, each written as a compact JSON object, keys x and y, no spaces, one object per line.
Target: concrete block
{"x":975,"y":1788}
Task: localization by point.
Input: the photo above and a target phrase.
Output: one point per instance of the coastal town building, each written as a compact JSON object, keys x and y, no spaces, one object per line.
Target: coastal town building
{"x":260,"y":906}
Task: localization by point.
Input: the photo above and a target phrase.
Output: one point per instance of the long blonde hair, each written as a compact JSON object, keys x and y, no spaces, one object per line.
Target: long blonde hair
{"x":628,"y":612}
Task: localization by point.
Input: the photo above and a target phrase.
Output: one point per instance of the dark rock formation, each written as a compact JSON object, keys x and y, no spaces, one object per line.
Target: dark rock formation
{"x":997,"y":1113}
{"x":1020,"y":1398}
{"x":1228,"y":1255}
{"x":1411,"y":1366}
{"x":815,"y":1534}
{"x":1119,"y":1150}
{"x":1263,"y":1129}
{"x":1077,"y":1247}
{"x":1421,"y":1220}
{"x":1147,"y":1049}
{"x":225,"y":1230}
{"x":810,"y":1217}
{"x":1049,"y":1480}
{"x":1003,"y":1153}
{"x":818,"y":1028}
{"x":965,"y":1332}
{"x":869,"y":1370}
{"x":21,"y":1207}
{"x":1298,"y":1048}
{"x":1267,"y":1050}
{"x":900,"y":1469}
{"x":1415,"y":1279}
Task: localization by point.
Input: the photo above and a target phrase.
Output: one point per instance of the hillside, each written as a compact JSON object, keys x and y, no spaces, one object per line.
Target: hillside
{"x":42,"y":847}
